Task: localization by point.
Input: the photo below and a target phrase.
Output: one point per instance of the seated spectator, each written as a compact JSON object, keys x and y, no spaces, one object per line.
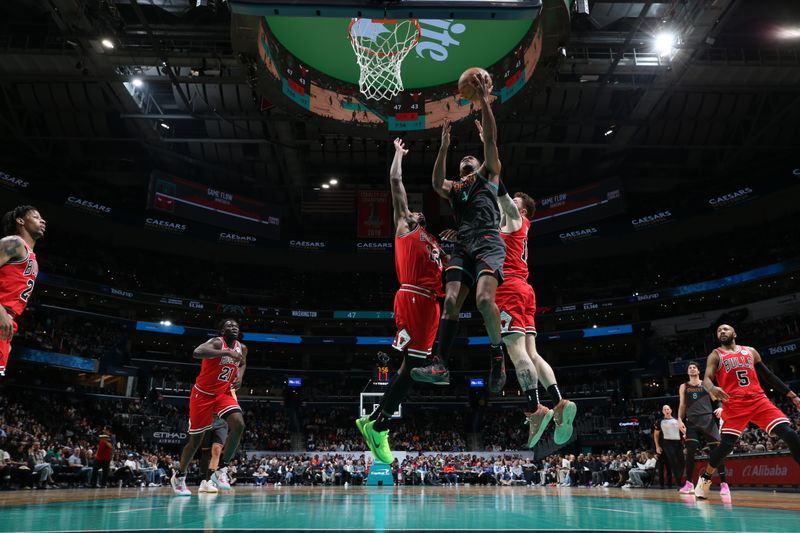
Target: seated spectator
{"x":643,"y":471}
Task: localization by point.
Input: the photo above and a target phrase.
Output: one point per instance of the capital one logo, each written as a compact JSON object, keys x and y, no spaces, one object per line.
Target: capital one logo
{"x":436,"y":36}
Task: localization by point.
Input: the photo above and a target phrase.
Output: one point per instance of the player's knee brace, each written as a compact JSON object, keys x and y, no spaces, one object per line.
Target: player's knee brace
{"x":790,"y":437}
{"x":725,"y":447}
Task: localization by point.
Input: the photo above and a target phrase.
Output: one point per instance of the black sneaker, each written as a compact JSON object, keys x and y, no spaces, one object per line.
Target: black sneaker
{"x":435,"y":373}
{"x":497,"y":377}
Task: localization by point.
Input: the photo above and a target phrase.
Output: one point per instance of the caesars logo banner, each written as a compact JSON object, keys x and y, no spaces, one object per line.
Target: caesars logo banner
{"x":11,"y":182}
{"x":732,"y":198}
{"x":309,"y":246}
{"x":650,"y":221}
{"x":87,"y":205}
{"x":237,"y":239}
{"x":164,"y":225}
{"x":366,"y":246}
{"x":578,"y":234}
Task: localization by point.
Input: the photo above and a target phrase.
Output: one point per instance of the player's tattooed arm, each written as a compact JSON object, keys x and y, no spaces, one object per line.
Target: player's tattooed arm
{"x":708,"y":381}
{"x":399,"y":196}
{"x":12,"y":248}
{"x":441,"y":185}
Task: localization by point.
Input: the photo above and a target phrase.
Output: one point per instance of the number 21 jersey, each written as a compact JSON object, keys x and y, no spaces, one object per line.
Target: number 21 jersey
{"x":17,"y":279}
{"x":217,"y":374}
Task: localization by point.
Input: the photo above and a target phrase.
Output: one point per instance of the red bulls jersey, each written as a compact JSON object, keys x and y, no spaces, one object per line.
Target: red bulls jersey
{"x":517,"y":251}
{"x":736,"y":374}
{"x":418,"y":260}
{"x":17,"y":279}
{"x":217,"y":374}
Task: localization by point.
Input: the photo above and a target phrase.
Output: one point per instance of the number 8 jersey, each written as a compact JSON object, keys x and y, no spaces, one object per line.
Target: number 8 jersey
{"x":736,"y":374}
{"x":17,"y":279}
{"x":217,"y":374}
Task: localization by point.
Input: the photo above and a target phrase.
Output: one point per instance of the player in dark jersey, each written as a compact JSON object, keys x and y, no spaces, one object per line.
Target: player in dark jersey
{"x":699,"y":413}
{"x":22,"y":227}
{"x":222,"y":368}
{"x":739,"y":371}
{"x":516,"y":300}
{"x":479,"y":254}
{"x":210,"y":452}
{"x":418,"y":261}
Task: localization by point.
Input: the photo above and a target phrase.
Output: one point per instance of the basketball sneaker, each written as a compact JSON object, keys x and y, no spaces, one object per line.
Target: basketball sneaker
{"x":537,"y":423}
{"x":179,"y":485}
{"x":219,"y":479}
{"x":497,"y":376}
{"x":378,"y":442}
{"x":564,"y":416}
{"x":724,"y":489}
{"x":703,"y":488}
{"x":435,"y":373}
{"x":688,"y":488}
{"x":361,"y":424}
{"x":206,"y":486}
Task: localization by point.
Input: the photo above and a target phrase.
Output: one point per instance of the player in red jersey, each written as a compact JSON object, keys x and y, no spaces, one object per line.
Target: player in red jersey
{"x":418,"y":261}
{"x":22,"y":227}
{"x":516,"y":300}
{"x":223,"y":364}
{"x":739,"y":371}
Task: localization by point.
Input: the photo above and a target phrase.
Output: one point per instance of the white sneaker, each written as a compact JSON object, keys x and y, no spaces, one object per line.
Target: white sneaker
{"x":627,"y":486}
{"x":606,"y":484}
{"x":154,"y":485}
{"x":207,"y":486}
{"x":703,"y":488}
{"x":219,"y":479}
{"x":179,"y":485}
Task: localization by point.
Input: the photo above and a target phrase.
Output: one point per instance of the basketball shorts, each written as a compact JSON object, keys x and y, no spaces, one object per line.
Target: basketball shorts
{"x":475,"y":257}
{"x":416,"y":315}
{"x":5,"y":349}
{"x":202,"y":407}
{"x":217,"y":434}
{"x":517,"y":303}
{"x":738,"y":411}
{"x":706,"y":428}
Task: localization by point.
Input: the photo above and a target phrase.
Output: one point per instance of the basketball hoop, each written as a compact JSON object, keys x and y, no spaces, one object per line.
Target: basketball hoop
{"x":380,"y":46}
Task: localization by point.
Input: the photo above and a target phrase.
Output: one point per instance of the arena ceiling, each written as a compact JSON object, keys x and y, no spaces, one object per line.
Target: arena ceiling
{"x":723,"y":104}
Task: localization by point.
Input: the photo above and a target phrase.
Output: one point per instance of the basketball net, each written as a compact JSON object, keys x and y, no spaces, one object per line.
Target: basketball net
{"x":380,"y":46}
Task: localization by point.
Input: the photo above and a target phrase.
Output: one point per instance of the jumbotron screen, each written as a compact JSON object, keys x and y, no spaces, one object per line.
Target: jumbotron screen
{"x":213,"y":206}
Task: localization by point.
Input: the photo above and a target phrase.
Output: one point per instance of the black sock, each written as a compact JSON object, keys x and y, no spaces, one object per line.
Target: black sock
{"x":705,"y":475}
{"x":721,"y":472}
{"x":447,"y":337}
{"x":533,"y":399}
{"x":396,"y":393}
{"x":498,"y":355}
{"x":554,"y":393}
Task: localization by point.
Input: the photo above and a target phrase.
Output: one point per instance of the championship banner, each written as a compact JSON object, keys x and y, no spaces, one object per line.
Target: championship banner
{"x":374,"y":215}
{"x":758,"y":470}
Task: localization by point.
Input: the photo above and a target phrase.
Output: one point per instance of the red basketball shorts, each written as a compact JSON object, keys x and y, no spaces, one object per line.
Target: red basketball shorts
{"x":416,"y":315}
{"x":5,"y":350}
{"x":517,"y":303}
{"x":202,"y":407}
{"x":738,"y":411}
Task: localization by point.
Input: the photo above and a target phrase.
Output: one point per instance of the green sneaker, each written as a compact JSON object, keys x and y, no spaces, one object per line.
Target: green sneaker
{"x":361,"y":423}
{"x":564,"y":422}
{"x":378,"y":442}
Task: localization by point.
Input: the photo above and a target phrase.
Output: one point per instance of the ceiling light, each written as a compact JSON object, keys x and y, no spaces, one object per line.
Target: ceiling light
{"x":665,"y":43}
{"x":789,"y":33}
{"x":608,"y":132}
{"x":333,"y":181}
{"x":137,"y":82}
{"x":326,"y":186}
{"x":107,"y":43}
{"x":164,"y":125}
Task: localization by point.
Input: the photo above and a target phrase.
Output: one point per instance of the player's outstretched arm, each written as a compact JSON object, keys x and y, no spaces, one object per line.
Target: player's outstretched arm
{"x":399,"y":196}
{"x":441,"y":185}
{"x":491,"y":157}
{"x":765,"y":375}
{"x":711,"y":372}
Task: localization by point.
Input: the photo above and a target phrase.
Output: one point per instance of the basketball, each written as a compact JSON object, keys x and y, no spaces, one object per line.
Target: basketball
{"x":466,"y":85}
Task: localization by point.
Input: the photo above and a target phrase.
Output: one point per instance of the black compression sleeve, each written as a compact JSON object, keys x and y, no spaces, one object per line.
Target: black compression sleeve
{"x":765,"y":374}
{"x":716,"y":404}
{"x":501,"y":188}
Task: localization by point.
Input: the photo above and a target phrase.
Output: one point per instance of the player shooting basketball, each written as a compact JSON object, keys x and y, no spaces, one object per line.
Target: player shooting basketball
{"x":478,"y":256}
